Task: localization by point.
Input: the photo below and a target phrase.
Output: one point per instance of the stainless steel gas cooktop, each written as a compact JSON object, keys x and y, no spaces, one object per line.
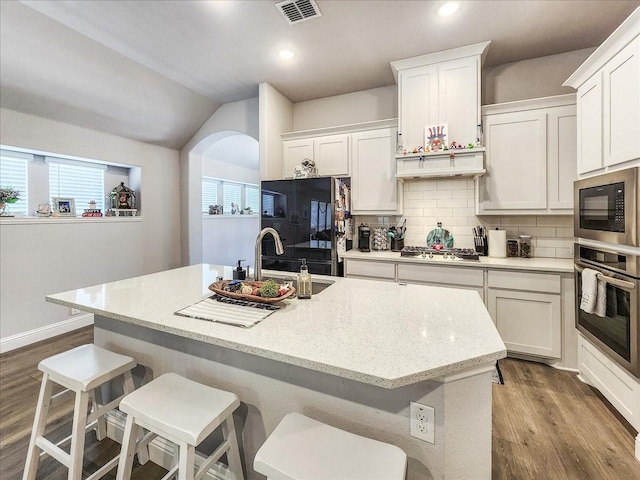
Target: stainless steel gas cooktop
{"x":445,"y":254}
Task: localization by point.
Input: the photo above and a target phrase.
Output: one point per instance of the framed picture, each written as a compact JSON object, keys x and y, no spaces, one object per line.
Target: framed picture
{"x":65,"y":207}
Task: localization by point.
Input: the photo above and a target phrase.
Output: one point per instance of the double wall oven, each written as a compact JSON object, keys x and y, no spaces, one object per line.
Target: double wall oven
{"x":606,"y":217}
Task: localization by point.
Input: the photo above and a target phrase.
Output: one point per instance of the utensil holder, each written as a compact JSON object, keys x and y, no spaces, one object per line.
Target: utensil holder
{"x":397,"y":244}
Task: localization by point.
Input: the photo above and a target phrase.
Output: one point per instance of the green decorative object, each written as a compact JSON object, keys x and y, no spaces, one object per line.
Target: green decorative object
{"x":269,"y":289}
{"x":440,"y":236}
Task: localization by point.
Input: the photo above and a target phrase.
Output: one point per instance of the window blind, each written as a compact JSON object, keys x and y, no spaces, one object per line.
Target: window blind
{"x":14,"y":168}
{"x":232,"y":193}
{"x":82,"y":181}
{"x":209,"y":193}
{"x":267,"y":204}
{"x":252,"y":198}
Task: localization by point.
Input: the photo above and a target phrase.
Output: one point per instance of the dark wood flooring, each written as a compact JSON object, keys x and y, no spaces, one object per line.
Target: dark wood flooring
{"x":546,"y":423}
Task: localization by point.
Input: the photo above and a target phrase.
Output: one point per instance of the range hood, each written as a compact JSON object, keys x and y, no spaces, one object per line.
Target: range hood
{"x":462,"y":163}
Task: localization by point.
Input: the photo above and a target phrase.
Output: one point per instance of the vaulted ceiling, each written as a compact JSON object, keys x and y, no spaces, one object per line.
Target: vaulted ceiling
{"x":154,"y":71}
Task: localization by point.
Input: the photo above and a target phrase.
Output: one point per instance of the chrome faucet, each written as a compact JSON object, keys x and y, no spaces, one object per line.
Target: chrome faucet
{"x":279,"y":250}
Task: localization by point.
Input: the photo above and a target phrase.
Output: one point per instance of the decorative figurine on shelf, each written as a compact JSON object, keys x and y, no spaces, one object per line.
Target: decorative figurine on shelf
{"x":435,"y":136}
{"x":122,"y":197}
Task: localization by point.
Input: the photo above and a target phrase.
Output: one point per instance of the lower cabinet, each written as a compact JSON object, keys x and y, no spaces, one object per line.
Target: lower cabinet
{"x":453,"y":277}
{"x":527,"y":311}
{"x":372,"y":270}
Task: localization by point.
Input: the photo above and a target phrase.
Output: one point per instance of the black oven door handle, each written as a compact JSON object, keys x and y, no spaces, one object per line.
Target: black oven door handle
{"x":613,"y":281}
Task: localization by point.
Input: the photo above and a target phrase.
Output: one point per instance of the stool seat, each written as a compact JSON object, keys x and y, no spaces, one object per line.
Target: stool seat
{"x":86,"y":367}
{"x":185,"y":413}
{"x":180,"y":408}
{"x":301,"y":448}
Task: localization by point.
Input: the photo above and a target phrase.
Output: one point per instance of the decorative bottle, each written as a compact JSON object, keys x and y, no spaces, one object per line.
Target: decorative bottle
{"x":304,"y":281}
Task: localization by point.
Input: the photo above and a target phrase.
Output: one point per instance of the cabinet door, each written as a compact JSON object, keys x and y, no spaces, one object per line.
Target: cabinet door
{"x":417,"y":103}
{"x":621,"y":118}
{"x":589,"y":109}
{"x":294,"y":152}
{"x":516,"y":176}
{"x":363,"y":268}
{"x":529,"y":323}
{"x":561,"y":160}
{"x":331,"y":154}
{"x":374,"y":186}
{"x":458,"y":99}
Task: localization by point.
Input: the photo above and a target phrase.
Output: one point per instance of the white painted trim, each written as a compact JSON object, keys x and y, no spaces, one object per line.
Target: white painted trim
{"x":530,"y":104}
{"x":354,"y":127}
{"x":44,"y":333}
{"x":58,"y":220}
{"x":161,"y":450}
{"x":638,"y":447}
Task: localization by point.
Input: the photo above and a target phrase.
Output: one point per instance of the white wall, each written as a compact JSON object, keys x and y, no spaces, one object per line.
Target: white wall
{"x":225,"y":240}
{"x":364,"y":106}
{"x":38,"y":258}
{"x":230,"y":119}
{"x":276,"y":118}
{"x":533,"y":78}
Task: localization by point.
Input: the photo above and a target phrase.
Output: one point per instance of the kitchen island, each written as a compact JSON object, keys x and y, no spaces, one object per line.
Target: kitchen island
{"x":353,"y":356}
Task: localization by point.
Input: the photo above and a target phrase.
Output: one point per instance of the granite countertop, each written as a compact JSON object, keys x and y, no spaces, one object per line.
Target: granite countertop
{"x":384,"y":334}
{"x":551,"y":265}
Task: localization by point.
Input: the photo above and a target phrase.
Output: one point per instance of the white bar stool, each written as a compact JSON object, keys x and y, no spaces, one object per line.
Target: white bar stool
{"x":301,"y":448}
{"x":185,"y":413}
{"x":81,"y":370}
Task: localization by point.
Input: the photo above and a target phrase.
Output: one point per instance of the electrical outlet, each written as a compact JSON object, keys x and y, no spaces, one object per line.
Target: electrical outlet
{"x":75,"y":311}
{"x":422,"y":422}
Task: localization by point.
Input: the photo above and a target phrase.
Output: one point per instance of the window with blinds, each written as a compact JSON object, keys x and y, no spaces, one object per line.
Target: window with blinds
{"x":268,"y":201}
{"x":252,"y":198}
{"x":82,"y":181}
{"x":209,"y":193}
{"x":242,"y":195}
{"x":232,"y":194}
{"x":14,"y":168}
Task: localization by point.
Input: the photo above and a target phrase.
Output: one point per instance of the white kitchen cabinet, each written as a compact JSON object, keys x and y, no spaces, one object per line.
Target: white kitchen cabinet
{"x":530,"y":157}
{"x":370,"y":269}
{"x":374,"y":187}
{"x":621,"y":106}
{"x":442,"y":276}
{"x":526,"y":308}
{"x":329,"y":152}
{"x":608,"y":85}
{"x":440,"y":88}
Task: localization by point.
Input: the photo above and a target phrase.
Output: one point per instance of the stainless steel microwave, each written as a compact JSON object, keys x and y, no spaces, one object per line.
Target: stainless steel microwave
{"x":606,"y":207}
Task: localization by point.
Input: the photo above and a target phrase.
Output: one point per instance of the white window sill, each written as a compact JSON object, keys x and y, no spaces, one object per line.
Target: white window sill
{"x":207,"y":216}
{"x":49,"y":220}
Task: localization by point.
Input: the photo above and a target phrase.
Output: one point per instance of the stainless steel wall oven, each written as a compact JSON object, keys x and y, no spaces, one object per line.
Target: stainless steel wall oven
{"x":606,"y":207}
{"x":617,"y":333}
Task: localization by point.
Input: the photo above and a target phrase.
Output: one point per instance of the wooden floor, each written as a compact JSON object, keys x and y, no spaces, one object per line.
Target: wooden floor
{"x":546,"y":424}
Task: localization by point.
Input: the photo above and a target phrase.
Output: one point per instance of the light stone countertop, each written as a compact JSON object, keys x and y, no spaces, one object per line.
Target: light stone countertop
{"x":382,"y":334}
{"x":551,"y":265}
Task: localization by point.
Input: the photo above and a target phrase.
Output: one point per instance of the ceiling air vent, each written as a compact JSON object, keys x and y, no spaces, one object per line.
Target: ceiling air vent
{"x":298,"y":10}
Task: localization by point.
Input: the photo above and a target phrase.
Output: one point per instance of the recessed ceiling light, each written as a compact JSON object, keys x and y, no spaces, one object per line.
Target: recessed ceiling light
{"x":286,"y":54}
{"x":448,"y":9}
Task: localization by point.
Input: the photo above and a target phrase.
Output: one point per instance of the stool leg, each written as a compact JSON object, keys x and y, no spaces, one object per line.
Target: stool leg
{"x":78,"y":434}
{"x":128,"y":451}
{"x":39,"y":424}
{"x":96,"y":402}
{"x":233,"y":455}
{"x":143,"y":452}
{"x":186,"y":463}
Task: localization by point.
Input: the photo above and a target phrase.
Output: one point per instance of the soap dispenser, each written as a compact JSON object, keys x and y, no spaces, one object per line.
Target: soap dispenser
{"x":240,"y":273}
{"x":304,"y":281}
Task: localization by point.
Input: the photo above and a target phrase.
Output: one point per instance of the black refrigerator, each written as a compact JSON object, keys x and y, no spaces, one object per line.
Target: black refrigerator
{"x":312,"y":216}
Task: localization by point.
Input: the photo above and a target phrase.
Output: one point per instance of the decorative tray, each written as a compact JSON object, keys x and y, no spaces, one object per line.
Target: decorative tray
{"x":218,"y":287}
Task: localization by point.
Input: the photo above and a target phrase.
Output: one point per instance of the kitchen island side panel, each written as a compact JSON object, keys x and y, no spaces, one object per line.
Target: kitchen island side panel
{"x":269,"y":389}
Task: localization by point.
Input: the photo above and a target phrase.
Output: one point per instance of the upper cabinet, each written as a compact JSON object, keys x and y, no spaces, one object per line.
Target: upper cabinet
{"x":439,"y":89}
{"x":530,"y":157}
{"x":329,"y":152}
{"x":608,"y":100}
{"x":374,"y":187}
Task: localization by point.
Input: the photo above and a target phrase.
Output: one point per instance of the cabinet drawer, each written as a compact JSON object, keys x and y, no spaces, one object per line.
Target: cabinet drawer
{"x":530,"y":282}
{"x":384,"y":270}
{"x":442,"y":275}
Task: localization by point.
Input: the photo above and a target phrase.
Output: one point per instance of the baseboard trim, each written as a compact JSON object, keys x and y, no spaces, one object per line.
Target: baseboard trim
{"x":44,"y":333}
{"x":638,"y":447}
{"x":161,"y":450}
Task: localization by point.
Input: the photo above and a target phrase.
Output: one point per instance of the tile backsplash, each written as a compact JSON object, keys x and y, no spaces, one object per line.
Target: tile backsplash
{"x":427,"y":202}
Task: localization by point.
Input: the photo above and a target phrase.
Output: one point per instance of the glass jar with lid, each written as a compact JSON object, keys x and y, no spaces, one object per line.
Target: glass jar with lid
{"x":525,"y":246}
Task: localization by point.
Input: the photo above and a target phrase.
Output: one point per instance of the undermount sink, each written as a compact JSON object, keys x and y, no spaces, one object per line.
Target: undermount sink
{"x":316,"y":287}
